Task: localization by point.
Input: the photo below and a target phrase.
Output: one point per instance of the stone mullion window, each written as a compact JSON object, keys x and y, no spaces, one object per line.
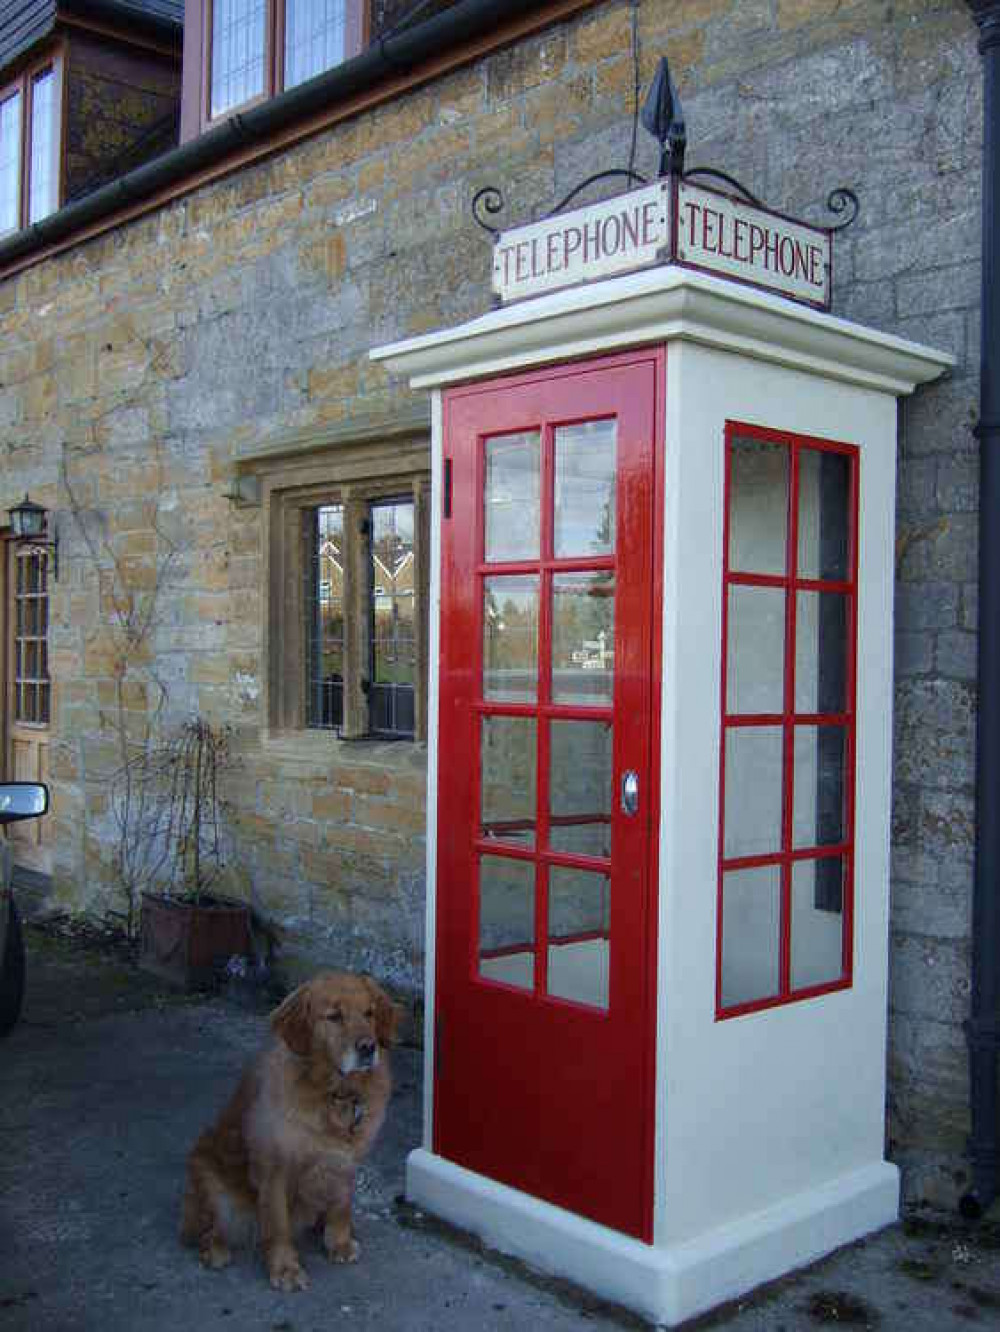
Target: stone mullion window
{"x":306,"y":653}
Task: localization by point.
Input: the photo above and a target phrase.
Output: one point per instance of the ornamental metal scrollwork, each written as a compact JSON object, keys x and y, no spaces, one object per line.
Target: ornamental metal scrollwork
{"x":840,"y":201}
{"x":714,"y":174}
{"x":489,"y":200}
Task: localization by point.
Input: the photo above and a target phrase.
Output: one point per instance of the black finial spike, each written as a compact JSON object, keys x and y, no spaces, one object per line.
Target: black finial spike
{"x":663,"y":117}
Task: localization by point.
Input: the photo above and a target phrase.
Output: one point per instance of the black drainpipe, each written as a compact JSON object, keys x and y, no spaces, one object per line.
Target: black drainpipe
{"x":983,"y":1027}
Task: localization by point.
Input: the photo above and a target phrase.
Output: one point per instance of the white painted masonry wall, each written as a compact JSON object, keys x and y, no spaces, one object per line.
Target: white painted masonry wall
{"x":774,"y":1103}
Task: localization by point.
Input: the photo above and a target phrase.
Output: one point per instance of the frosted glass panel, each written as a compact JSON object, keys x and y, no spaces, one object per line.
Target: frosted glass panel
{"x":758,"y":507}
{"x":755,"y":664}
{"x":753,"y":791}
{"x":751,"y":933}
{"x":817,"y":922}
{"x":315,"y":38}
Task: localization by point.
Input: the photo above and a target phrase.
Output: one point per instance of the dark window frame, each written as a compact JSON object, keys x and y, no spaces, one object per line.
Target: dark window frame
{"x":358,"y":25}
{"x":23,"y":85}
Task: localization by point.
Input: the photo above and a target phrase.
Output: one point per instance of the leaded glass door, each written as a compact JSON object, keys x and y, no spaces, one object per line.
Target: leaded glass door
{"x":547,"y":800}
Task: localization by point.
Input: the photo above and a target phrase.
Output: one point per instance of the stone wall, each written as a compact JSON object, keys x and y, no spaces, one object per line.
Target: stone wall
{"x":137,"y":369}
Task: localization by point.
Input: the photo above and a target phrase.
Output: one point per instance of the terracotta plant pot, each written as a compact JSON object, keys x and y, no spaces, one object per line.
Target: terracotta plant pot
{"x":187,"y":943}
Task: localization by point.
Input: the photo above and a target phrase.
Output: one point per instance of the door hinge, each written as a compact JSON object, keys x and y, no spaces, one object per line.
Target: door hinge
{"x":447,"y":487}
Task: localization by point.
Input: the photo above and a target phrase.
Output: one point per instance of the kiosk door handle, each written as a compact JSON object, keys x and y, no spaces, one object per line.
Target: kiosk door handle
{"x":630,"y":792}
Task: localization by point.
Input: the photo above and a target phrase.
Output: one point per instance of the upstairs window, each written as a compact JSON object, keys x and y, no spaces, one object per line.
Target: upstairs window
{"x":239,"y":29}
{"x":30,"y":118}
{"x":258,"y":48}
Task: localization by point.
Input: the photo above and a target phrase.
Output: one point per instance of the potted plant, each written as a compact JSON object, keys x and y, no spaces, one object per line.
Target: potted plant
{"x":189,"y":931}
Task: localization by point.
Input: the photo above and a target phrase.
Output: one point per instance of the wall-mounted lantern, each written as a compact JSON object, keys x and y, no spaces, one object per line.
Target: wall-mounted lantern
{"x":29,"y":526}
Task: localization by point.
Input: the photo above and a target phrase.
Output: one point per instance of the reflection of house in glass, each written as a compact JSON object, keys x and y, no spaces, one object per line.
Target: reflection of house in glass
{"x":325,"y":599}
{"x":393,"y":657}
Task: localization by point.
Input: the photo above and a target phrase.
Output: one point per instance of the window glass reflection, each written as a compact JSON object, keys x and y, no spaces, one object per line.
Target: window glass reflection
{"x":512,"y":497}
{"x":508,"y":765}
{"x":507,"y":921}
{"x":510,"y":639}
{"x":585,"y":489}
{"x":583,"y":638}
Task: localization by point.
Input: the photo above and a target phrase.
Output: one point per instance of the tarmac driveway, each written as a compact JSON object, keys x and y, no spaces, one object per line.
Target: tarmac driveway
{"x":108,"y":1080}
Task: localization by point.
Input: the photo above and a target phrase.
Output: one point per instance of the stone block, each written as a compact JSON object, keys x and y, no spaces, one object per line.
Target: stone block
{"x":929,"y":979}
{"x":930,"y":605}
{"x":954,"y":286}
{"x":913,"y":653}
{"x":955,"y":656}
{"x":935,"y":733}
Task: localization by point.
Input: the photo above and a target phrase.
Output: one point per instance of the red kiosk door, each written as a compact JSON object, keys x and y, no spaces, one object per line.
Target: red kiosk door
{"x":548,"y":793}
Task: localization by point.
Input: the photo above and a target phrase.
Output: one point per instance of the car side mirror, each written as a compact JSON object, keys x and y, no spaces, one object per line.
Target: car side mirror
{"x":22,"y":800}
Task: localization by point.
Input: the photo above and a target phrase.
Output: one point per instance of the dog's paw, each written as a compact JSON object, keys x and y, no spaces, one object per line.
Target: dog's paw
{"x":214,"y":1255}
{"x":346,"y":1251}
{"x":286,"y":1273}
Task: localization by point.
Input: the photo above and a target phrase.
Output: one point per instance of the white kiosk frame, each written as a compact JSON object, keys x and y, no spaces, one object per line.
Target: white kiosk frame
{"x":769,"y":1132}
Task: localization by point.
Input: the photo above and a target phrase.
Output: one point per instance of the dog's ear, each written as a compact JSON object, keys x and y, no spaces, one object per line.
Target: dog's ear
{"x":386,"y":1014}
{"x":293,"y":1021}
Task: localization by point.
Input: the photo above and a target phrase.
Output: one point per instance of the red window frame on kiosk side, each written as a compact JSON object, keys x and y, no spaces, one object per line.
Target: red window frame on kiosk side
{"x":789,"y":581}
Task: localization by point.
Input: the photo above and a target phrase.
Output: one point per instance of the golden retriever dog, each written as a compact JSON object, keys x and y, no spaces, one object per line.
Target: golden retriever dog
{"x":283,"y":1154}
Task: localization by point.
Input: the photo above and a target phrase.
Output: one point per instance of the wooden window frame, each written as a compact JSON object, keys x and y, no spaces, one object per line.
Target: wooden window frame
{"x":358,"y":27}
{"x":789,"y":854}
{"x":42,"y":597}
{"x":356,"y":480}
{"x":23,"y":84}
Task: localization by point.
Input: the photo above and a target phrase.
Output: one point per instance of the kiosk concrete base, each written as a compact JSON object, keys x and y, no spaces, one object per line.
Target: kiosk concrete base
{"x":665,"y":1283}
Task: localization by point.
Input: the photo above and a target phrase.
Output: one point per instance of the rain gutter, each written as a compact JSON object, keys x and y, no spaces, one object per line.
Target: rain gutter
{"x":396,"y":56}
